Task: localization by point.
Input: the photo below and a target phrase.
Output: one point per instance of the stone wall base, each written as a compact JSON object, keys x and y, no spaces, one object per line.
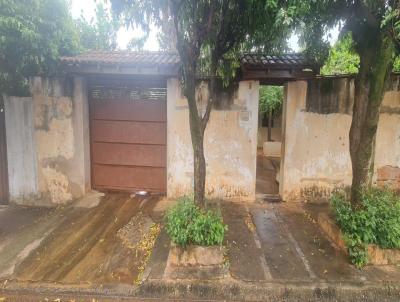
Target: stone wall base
{"x":196,"y":263}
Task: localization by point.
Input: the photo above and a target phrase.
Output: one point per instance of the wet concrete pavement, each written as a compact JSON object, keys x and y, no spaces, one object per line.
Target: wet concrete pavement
{"x":267,"y":168}
{"x":280,"y":242}
{"x":72,"y":245}
{"x":268,"y":243}
{"x":294,"y":248}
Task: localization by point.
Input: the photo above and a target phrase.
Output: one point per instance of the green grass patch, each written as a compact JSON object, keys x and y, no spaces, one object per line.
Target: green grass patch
{"x":187,"y":224}
{"x":376,"y":222}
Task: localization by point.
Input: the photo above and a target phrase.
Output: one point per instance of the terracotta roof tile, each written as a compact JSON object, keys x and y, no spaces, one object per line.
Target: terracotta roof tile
{"x":262,"y":61}
{"x":151,"y":58}
{"x":125,"y":57}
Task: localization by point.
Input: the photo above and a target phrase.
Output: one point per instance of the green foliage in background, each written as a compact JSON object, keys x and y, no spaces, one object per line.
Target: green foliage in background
{"x":343,"y":59}
{"x":396,"y":65}
{"x":33,"y":35}
{"x":99,"y":33}
{"x":376,"y":222}
{"x":187,"y":224}
{"x":271,"y":99}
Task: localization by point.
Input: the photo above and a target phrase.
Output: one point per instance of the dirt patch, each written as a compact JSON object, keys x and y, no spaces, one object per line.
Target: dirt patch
{"x":139,"y":235}
{"x":135,"y":230}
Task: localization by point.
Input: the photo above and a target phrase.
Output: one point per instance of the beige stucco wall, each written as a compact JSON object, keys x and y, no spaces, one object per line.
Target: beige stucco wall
{"x":61,"y":135}
{"x":315,"y":149}
{"x":230,"y":144}
{"x":316,"y":146}
{"x":387,"y":156}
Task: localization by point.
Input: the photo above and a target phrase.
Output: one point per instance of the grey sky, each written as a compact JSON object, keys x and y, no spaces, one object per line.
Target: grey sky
{"x":87,"y":7}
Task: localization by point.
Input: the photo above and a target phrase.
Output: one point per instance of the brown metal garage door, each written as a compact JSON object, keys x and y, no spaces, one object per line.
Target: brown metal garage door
{"x":128,"y":138}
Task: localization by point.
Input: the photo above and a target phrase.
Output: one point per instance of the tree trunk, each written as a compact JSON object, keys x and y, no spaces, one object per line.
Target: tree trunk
{"x":199,"y":174}
{"x":375,"y":69}
{"x":197,"y":128}
{"x":270,"y":125}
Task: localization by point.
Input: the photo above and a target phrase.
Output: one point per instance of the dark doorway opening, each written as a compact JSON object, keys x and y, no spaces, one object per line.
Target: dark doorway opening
{"x":269,"y":141}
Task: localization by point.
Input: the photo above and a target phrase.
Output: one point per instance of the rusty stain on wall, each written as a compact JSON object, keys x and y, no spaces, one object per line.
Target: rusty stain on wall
{"x":389,"y":176}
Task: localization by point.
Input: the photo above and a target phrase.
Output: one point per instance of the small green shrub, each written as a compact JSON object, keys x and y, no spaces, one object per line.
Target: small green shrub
{"x":377,"y":222}
{"x":187,"y":224}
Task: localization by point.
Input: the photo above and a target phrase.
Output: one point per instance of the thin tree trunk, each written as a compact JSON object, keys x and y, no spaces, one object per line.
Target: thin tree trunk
{"x":270,"y":125}
{"x":197,"y":135}
{"x":376,"y":63}
{"x":197,"y":128}
{"x":199,"y":174}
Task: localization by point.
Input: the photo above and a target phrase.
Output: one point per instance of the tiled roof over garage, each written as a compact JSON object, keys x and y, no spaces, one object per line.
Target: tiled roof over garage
{"x":143,"y":58}
{"x":285,"y":61}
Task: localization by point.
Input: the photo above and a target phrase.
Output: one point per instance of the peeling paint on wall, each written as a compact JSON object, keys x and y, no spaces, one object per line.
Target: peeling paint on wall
{"x":57,"y":185}
{"x":60,"y":133}
{"x":58,"y":140}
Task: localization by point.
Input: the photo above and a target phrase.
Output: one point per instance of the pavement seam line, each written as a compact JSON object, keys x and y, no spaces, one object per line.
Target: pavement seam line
{"x":295,"y":244}
{"x":267,"y":273}
{"x":264,"y":264}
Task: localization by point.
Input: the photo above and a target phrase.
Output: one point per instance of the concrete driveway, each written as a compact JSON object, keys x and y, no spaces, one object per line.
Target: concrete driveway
{"x":78,"y":245}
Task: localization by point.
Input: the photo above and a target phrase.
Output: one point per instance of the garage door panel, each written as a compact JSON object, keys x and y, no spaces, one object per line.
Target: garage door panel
{"x":129,"y":155}
{"x":129,"y":132}
{"x":130,"y":110}
{"x":129,"y":178}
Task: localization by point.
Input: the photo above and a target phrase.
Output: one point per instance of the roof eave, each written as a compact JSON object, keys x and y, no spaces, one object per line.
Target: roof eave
{"x":121,"y":68}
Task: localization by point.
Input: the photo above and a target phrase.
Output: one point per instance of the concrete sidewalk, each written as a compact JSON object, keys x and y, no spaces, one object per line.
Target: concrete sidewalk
{"x":276,"y":253}
{"x":280,"y":242}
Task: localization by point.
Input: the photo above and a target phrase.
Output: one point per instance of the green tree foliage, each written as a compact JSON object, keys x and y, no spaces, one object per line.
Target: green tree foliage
{"x":396,"y":65}
{"x":33,"y":35}
{"x":342,"y":58}
{"x":100,"y":33}
{"x":375,"y":28}
{"x":271,"y":99}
